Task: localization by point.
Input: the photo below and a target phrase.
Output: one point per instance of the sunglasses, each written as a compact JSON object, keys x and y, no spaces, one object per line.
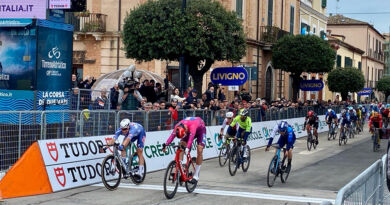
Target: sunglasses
{"x":124,"y":129}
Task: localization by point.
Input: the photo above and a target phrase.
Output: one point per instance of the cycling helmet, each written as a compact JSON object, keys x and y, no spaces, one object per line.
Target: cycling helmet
{"x":125,"y":124}
{"x":180,"y":131}
{"x":343,"y":112}
{"x":350,"y":108}
{"x":229,"y":114}
{"x":244,"y":112}
{"x":283,"y":126}
{"x":329,"y":110}
{"x":310,"y":113}
{"x":360,"y":106}
{"x":388,"y":106}
{"x":375,"y":114}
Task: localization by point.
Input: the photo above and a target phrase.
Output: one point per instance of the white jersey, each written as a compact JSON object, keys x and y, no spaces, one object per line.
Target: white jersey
{"x":225,"y":123}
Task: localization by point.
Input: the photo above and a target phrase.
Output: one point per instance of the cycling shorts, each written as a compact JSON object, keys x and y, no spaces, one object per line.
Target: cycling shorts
{"x":283,"y":141}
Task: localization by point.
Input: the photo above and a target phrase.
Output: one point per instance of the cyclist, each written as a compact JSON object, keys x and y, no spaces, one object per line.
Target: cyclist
{"x":311,"y":120}
{"x":375,"y":122}
{"x":329,"y":116}
{"x":385,"y":114}
{"x":359,"y":118}
{"x":131,"y":131}
{"x":352,"y":115}
{"x":363,"y":110}
{"x":227,"y":121}
{"x":188,"y":130}
{"x":345,"y":120}
{"x":287,"y":137}
{"x":245,"y":127}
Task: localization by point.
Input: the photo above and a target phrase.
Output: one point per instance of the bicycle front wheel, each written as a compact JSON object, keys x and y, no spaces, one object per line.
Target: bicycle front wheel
{"x":246,"y":162}
{"x":223,"y":154}
{"x":284,"y":174}
{"x":191,"y":185}
{"x":171,"y":180}
{"x":134,"y":165}
{"x":111,"y":172}
{"x":309,"y":141}
{"x":272,"y":172}
{"x":233,"y":159}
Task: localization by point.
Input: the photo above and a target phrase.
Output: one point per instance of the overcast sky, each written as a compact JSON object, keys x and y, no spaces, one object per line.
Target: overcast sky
{"x":380,"y":21}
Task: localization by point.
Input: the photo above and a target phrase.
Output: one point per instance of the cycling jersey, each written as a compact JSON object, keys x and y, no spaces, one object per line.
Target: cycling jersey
{"x":353,"y":115}
{"x":136,"y":132}
{"x":359,"y":114}
{"x":330,"y":115}
{"x":288,"y":138}
{"x":231,"y":132}
{"x":246,"y":125}
{"x":196,"y":129}
{"x":345,"y":119}
{"x":312,"y":121}
{"x":375,"y":121}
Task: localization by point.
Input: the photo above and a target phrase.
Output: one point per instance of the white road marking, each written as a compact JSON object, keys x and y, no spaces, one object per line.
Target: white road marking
{"x":231,"y":193}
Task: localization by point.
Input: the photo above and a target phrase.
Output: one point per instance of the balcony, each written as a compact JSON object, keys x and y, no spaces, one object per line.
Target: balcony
{"x":377,"y":55}
{"x":271,"y":34}
{"x":87,"y":22}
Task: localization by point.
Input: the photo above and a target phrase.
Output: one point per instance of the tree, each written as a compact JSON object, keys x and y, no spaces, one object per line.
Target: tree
{"x":344,"y":80}
{"x":302,"y":53}
{"x":384,"y":86}
{"x":204,"y":34}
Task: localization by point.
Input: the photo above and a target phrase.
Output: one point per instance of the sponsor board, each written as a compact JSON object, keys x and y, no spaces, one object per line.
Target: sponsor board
{"x":75,"y":162}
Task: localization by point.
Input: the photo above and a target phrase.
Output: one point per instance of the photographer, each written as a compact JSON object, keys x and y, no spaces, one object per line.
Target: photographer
{"x":128,"y":97}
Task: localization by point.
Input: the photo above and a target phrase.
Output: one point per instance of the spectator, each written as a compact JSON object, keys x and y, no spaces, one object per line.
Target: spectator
{"x":147,"y":106}
{"x":151,"y":94}
{"x":176,"y":95}
{"x":128,"y":99}
{"x":162,"y":105}
{"x":114,"y":95}
{"x":160,"y":93}
{"x":193,"y":98}
{"x":144,"y":87}
{"x":213,"y":106}
{"x":187,"y":92}
{"x":156,"y":106}
{"x":74,"y":81}
{"x":74,"y":98}
{"x":101,"y":102}
{"x":209,"y":94}
{"x":221,"y":94}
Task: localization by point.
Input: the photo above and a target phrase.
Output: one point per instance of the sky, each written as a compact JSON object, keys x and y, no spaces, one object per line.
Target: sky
{"x":380,"y":21}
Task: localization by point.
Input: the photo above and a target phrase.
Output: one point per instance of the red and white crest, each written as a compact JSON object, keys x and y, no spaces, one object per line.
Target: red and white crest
{"x":52,"y":149}
{"x":60,"y":175}
{"x":108,"y":139}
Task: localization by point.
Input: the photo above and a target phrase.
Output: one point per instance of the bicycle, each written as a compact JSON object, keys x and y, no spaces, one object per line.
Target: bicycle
{"x":311,"y":142}
{"x":276,"y":168}
{"x":343,"y":137}
{"x":236,"y":158}
{"x":351,"y":130}
{"x":113,"y":168}
{"x":332,"y":131}
{"x":375,"y":140}
{"x":225,"y":150}
{"x":175,"y":174}
{"x":354,"y":129}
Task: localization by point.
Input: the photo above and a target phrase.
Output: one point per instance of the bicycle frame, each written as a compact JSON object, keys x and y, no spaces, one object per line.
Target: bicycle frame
{"x":183,"y":176}
{"x":278,"y":157}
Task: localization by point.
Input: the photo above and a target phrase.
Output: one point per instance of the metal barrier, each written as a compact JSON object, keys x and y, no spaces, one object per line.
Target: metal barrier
{"x":367,"y":188}
{"x":81,"y":99}
{"x":19,"y":129}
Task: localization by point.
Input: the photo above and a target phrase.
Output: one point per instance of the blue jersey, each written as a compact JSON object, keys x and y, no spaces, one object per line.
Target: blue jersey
{"x":288,"y":138}
{"x":331,"y":114}
{"x":136,"y":132}
{"x":345,"y":119}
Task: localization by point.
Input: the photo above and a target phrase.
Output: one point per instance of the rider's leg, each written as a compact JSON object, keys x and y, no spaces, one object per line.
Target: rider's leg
{"x":125,"y":143}
{"x":201,"y":141}
{"x":308,"y":128}
{"x":315,"y":133}
{"x":183,"y":144}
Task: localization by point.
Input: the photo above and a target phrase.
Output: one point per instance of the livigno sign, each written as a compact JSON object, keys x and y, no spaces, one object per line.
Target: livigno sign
{"x":311,"y":85}
{"x":229,"y":76}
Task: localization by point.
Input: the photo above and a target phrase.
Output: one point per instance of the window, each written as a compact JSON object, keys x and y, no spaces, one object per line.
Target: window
{"x":360,"y":66}
{"x":270,"y":12}
{"x":323,"y":4}
{"x":292,"y":20}
{"x":347,"y":62}
{"x":314,"y":30}
{"x":338,"y":63}
{"x":305,"y":28}
{"x":322,"y":34}
{"x":239,"y":8}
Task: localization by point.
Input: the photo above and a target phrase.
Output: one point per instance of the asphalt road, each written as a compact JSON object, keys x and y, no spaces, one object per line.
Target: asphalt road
{"x":315,"y":176}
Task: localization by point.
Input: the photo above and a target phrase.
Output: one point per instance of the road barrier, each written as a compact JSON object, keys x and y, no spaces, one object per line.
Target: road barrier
{"x":73,"y":162}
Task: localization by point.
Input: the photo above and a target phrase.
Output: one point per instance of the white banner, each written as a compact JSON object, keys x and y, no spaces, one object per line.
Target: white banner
{"x":75,"y":162}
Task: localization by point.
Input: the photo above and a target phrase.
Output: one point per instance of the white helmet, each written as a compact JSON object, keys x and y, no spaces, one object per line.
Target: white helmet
{"x":229,"y":114}
{"x":329,"y":110}
{"x":125,"y":123}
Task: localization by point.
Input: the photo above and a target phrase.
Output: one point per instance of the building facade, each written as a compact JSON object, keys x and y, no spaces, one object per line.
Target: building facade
{"x":365,"y":37}
{"x":97,"y":41}
{"x":386,"y":50}
{"x":346,"y":56}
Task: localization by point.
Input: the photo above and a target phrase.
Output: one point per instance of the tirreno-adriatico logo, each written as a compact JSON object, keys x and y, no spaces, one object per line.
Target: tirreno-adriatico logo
{"x":54,"y":53}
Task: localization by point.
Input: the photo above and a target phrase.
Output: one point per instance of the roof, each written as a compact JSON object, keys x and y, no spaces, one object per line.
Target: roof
{"x":332,"y":38}
{"x":340,"y":20}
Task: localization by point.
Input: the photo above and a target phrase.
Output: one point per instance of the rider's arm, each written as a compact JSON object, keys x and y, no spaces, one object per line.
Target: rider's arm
{"x":171,"y":137}
{"x":304,"y":124}
{"x":223,"y":125}
{"x":235,"y":120}
{"x":273,"y":133}
{"x":290,"y":138}
{"x":248,"y":124}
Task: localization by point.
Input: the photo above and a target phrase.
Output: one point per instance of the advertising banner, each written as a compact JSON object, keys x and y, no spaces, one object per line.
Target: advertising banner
{"x":229,"y":76}
{"x":311,"y":85}
{"x":17,"y":58}
{"x":365,"y":91}
{"x":75,"y":162}
{"x":15,"y":100}
{"x":59,"y":4}
{"x":23,"y":9}
{"x":54,"y":59}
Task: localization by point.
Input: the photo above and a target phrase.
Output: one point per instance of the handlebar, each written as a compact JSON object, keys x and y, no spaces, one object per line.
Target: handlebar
{"x":103,"y":148}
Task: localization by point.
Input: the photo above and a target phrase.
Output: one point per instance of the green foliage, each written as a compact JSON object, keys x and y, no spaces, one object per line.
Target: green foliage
{"x":384,"y":85}
{"x":207,"y":31}
{"x":344,"y":80}
{"x":303,"y":53}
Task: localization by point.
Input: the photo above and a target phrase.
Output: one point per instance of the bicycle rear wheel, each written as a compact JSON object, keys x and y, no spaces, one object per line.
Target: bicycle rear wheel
{"x":223,"y":154}
{"x":272,"y":172}
{"x":246,"y":162}
{"x":341,"y":135}
{"x":171,"y":180}
{"x":233,"y":159}
{"x":330,"y":133}
{"x":134,"y":165}
{"x":190,"y":185}
{"x":111,"y":172}
{"x":375,"y":143}
{"x":309,"y":141}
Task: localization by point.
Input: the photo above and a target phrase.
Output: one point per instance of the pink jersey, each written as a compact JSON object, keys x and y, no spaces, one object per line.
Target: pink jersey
{"x":196,"y":128}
